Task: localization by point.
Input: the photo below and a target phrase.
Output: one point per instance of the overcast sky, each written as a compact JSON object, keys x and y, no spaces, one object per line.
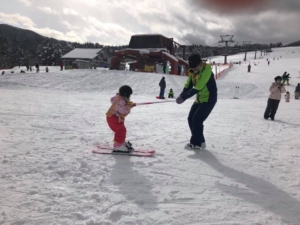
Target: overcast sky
{"x":112,"y":22}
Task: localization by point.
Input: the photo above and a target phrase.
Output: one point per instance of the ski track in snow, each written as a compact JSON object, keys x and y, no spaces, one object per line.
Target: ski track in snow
{"x":50,"y":123}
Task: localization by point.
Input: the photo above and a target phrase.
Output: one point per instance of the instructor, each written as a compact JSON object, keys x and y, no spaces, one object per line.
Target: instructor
{"x":200,"y":82}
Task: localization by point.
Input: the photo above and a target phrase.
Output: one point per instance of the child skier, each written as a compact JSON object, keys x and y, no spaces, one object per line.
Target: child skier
{"x":297,"y":91}
{"x":285,"y":78}
{"x":171,"y":93}
{"x":115,"y":116}
{"x":287,"y":97}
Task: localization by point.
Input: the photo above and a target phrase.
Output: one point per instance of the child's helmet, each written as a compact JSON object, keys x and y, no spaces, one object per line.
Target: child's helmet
{"x":278,"y":78}
{"x":125,"y":91}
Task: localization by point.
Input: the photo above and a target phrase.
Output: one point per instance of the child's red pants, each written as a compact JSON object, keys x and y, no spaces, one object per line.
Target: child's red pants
{"x":117,"y":127}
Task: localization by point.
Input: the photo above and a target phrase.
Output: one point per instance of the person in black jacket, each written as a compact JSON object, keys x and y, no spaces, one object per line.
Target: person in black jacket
{"x":37,"y":66}
{"x":162,"y":85}
{"x":179,"y":70}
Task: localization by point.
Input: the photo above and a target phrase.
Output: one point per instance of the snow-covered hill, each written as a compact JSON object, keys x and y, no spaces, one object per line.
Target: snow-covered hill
{"x":50,"y":122}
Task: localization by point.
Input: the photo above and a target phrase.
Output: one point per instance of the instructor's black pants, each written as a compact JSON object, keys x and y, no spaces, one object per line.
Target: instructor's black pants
{"x":198,"y":114}
{"x":271,"y":108}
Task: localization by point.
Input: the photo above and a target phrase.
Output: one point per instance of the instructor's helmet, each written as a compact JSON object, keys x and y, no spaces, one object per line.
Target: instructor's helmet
{"x":278,"y":78}
{"x":194,"y":60}
{"x":125,"y":91}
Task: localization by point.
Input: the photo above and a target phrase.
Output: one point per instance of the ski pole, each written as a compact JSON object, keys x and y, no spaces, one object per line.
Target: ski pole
{"x":238,"y":90}
{"x":148,"y":103}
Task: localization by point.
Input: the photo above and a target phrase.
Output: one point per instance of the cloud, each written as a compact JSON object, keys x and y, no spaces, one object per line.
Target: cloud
{"x":67,"y":11}
{"x":27,"y":23}
{"x":48,"y":10}
{"x":286,"y":6}
{"x":187,"y":21}
{"x":109,"y":33}
{"x":239,"y":7}
{"x":265,"y":28}
{"x":69,"y":26}
{"x":260,"y":22}
{"x":26,"y":2}
{"x":69,"y":36}
{"x":16,"y":20}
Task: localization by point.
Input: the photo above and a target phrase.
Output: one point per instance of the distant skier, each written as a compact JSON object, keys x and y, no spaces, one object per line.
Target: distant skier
{"x":115,"y":116}
{"x":200,"y":82}
{"x":61,"y":65}
{"x":286,"y":78}
{"x":297,"y":91}
{"x":287,"y":96}
{"x":284,"y":74}
{"x":162,"y":85}
{"x":164,"y":66}
{"x":249,"y":68}
{"x":3,"y":72}
{"x":27,"y":67}
{"x":276,"y":89}
{"x":37,"y":66}
{"x":47,"y":69}
{"x":179,"y":70}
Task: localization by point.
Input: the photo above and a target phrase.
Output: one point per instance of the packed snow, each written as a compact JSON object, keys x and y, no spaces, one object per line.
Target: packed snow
{"x":50,"y":123}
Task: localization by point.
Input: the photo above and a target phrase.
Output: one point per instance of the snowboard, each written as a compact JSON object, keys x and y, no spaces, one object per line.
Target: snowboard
{"x":160,"y":98}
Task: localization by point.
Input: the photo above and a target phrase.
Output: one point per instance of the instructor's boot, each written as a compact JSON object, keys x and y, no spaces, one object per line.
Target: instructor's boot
{"x":190,"y":146}
{"x":203,"y":145}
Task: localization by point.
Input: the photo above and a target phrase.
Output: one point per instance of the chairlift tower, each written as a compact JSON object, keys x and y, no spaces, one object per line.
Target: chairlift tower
{"x":246,"y":44}
{"x":226,"y":39}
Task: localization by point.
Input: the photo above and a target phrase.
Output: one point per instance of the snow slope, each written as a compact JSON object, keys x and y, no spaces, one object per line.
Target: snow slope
{"x":50,"y":122}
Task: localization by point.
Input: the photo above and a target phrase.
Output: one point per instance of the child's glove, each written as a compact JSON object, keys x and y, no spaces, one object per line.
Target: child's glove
{"x":131,"y":104}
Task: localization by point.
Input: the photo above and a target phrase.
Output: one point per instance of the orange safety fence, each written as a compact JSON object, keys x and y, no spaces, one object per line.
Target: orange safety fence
{"x":218,"y":75}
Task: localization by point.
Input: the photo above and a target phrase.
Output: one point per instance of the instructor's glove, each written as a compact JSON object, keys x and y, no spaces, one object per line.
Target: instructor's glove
{"x":179,"y":100}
